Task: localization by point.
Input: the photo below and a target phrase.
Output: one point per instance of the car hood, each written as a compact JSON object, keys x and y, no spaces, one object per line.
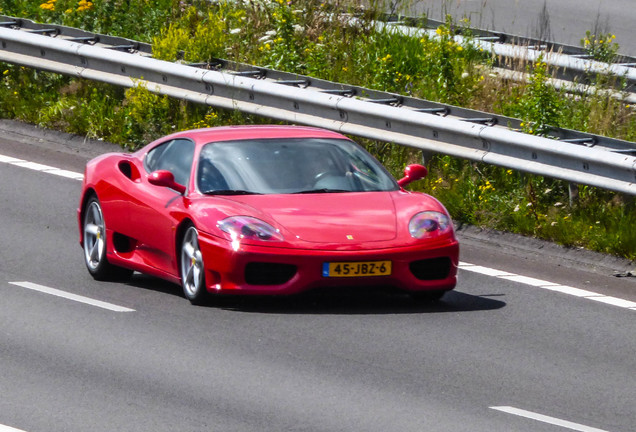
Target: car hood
{"x":330,"y":217}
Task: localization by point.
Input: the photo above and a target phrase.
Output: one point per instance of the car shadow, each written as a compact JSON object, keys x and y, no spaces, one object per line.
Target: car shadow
{"x":340,"y":302}
{"x":367,"y":303}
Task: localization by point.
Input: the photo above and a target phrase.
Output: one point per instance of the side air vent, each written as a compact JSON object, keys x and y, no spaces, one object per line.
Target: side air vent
{"x":129,"y":170}
{"x":123,"y":243}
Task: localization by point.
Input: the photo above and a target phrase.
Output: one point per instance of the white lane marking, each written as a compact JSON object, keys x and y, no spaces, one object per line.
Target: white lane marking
{"x":615,"y":302}
{"x":70,"y":296}
{"x":551,"y":286}
{"x":40,"y":167}
{"x":484,"y":270}
{"x":546,"y":419}
{"x":4,"y":428}
{"x":9,"y":159}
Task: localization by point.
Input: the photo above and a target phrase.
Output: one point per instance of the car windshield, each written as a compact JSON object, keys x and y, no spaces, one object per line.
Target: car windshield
{"x":289,"y":165}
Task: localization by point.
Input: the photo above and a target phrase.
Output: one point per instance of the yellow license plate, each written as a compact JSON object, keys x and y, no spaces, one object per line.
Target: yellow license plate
{"x":358,"y":268}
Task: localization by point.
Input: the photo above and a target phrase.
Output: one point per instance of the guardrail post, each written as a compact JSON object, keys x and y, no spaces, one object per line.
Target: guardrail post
{"x":426,"y":157}
{"x":573,"y":191}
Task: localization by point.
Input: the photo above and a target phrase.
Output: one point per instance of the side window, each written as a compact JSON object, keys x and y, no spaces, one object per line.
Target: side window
{"x":174,"y":156}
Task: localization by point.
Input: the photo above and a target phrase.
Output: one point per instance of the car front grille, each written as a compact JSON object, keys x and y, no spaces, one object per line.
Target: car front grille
{"x":263,"y":273}
{"x":431,"y":269}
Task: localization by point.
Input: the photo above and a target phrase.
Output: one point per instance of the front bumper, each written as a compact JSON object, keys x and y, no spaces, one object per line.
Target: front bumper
{"x":272,"y":270}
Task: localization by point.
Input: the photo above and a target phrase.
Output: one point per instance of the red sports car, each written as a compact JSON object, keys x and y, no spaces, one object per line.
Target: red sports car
{"x":263,"y":210}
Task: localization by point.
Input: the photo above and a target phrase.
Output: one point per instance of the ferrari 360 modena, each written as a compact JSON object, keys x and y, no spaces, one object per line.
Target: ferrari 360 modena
{"x":263,"y":210}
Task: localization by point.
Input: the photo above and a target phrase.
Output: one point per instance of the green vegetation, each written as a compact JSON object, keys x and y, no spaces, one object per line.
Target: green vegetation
{"x":601,"y":47}
{"x":305,"y":37}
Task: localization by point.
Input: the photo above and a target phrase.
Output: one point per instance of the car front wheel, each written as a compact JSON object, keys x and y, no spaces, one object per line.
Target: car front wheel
{"x":192,"y":269}
{"x":94,"y":228}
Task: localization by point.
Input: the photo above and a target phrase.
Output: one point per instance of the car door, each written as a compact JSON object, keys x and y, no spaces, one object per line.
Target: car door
{"x":155,"y":210}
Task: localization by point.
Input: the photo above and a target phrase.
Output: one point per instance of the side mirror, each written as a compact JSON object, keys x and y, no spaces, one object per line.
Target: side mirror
{"x":411,"y":173}
{"x":166,"y":179}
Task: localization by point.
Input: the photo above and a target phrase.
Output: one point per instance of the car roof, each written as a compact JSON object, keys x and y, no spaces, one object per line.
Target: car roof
{"x":230,"y":133}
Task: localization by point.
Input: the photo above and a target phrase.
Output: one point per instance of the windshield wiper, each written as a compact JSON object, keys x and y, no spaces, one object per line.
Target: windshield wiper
{"x":323,"y":190}
{"x":230,"y":192}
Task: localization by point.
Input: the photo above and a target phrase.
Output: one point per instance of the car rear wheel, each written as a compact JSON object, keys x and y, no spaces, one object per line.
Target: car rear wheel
{"x":192,"y":269}
{"x":94,"y":228}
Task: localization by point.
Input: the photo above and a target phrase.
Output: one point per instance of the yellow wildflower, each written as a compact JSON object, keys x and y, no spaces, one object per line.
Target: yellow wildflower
{"x":84,"y":5}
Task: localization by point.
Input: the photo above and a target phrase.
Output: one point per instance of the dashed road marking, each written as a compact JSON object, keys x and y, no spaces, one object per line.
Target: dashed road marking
{"x":40,"y":167}
{"x":4,"y":428}
{"x":71,"y":296}
{"x":546,"y":419}
{"x":551,"y":286}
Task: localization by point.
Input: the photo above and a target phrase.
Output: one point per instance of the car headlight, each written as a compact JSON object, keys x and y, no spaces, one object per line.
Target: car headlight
{"x":428,"y":224}
{"x":249,"y":228}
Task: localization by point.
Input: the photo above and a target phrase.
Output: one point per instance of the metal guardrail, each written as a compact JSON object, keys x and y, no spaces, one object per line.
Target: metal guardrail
{"x":435,"y":128}
{"x":573,"y":69}
{"x":140,"y":48}
{"x":571,"y":63}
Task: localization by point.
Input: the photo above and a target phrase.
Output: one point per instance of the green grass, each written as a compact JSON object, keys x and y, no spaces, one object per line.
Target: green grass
{"x":303,"y":37}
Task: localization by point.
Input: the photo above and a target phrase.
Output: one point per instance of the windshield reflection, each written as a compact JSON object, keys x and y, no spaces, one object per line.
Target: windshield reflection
{"x":289,"y":165}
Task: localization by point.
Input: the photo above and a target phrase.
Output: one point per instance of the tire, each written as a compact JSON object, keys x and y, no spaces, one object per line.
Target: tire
{"x":94,"y":244}
{"x":192,"y":268}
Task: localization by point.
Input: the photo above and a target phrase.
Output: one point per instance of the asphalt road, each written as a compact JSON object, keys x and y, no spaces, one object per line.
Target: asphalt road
{"x":563,"y":21}
{"x":322,"y":363}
